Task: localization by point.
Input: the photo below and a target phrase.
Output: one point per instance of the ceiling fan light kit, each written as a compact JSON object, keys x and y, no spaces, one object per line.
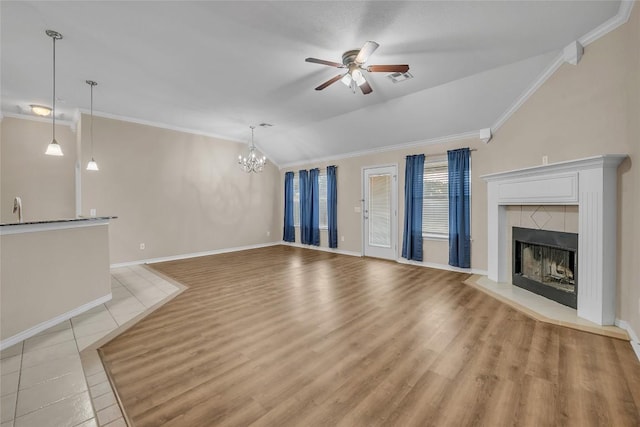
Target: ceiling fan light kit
{"x":353,"y":61}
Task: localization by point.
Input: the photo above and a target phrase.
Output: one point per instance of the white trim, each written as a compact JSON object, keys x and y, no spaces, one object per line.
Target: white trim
{"x":442,"y":266}
{"x":192,"y":255}
{"x":7,"y":229}
{"x":38,"y":119}
{"x":635,"y":342}
{"x":320,"y":248}
{"x":52,"y":322}
{"x":432,"y":141}
{"x":624,"y":12}
{"x":539,"y":81}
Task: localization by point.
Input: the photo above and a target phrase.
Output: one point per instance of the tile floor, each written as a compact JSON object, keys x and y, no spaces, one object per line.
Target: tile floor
{"x":56,"y":378}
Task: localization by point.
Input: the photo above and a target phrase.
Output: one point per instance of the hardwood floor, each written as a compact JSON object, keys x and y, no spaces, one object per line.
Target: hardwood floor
{"x":284,"y":336}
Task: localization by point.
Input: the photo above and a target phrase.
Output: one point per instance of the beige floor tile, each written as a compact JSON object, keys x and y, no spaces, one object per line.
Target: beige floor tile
{"x":47,"y":354}
{"x":42,"y":341}
{"x":91,"y":363}
{"x":100,"y":389}
{"x":96,"y":379}
{"x":89,"y":423}
{"x":117,"y":423}
{"x":9,"y":383}
{"x":10,"y":364}
{"x":115,"y":283}
{"x":59,"y":327}
{"x":120,"y":293}
{"x":108,"y":414}
{"x":124,"y":317}
{"x":50,"y":392}
{"x":104,"y":401}
{"x":14,"y":350}
{"x":166,"y":287}
{"x":8,"y":405}
{"x":65,"y":413}
{"x":49,"y":370}
{"x":125,"y":305}
{"x":84,"y":342}
{"x":87,"y":329}
{"x":101,"y":315}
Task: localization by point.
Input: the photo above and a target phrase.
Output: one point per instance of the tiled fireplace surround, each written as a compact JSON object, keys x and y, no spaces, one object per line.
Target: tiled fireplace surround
{"x":573,"y":196}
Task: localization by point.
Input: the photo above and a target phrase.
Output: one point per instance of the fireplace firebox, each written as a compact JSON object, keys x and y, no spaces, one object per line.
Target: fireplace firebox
{"x":546,"y":263}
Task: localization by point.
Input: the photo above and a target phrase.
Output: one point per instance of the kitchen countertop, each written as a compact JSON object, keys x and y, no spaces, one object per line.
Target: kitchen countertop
{"x":53,"y":221}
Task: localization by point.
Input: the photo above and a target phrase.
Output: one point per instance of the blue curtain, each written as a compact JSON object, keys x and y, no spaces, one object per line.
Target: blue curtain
{"x":332,"y":206}
{"x":314,"y":189}
{"x":412,"y":236}
{"x":305,"y":206}
{"x":459,"y":209}
{"x":289,"y":234}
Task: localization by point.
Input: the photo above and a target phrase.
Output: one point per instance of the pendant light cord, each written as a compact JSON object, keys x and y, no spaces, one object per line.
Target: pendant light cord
{"x":53,"y":112}
{"x":91,"y":127}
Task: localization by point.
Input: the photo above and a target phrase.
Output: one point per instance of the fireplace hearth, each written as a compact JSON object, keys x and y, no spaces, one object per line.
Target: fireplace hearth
{"x":545,"y":262}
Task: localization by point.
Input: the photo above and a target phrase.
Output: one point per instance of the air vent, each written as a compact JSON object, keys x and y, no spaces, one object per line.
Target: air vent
{"x":400,"y":77}
{"x":265,"y":125}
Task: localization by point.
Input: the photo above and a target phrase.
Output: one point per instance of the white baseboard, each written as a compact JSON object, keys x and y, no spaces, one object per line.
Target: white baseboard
{"x":442,"y":266}
{"x":6,"y":343}
{"x":192,"y":255}
{"x":635,"y":342}
{"x":321,"y":248}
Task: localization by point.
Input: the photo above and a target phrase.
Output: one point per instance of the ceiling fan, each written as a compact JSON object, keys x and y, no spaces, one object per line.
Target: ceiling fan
{"x":353,"y":61}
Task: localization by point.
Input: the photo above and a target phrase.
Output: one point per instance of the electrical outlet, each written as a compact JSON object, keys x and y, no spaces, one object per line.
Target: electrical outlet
{"x":342,"y":238}
{"x":357,"y":209}
{"x":545,"y":160}
{"x":92,"y":212}
{"x":142,"y":246}
{"x":268,"y":233}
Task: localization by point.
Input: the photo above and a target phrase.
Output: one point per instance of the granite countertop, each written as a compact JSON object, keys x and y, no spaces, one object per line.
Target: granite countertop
{"x":53,"y":221}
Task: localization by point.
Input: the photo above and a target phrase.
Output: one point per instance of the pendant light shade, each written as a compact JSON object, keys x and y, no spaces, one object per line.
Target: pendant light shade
{"x":92,"y":165}
{"x":54,"y":148}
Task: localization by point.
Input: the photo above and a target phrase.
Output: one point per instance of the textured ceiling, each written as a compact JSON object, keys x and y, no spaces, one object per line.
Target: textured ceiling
{"x":218,"y":67}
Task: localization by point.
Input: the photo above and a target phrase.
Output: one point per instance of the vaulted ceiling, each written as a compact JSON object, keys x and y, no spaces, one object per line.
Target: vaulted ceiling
{"x":218,"y":67}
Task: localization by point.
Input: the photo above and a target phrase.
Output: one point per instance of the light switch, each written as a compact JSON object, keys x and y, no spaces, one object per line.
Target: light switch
{"x":357,"y":209}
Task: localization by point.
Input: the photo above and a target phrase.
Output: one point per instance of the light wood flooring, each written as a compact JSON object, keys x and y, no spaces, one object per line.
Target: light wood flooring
{"x":285,"y":336}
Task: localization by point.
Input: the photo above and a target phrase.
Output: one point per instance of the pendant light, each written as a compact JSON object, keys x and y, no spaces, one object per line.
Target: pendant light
{"x":92,"y":165}
{"x":252,"y":162}
{"x":54,"y":148}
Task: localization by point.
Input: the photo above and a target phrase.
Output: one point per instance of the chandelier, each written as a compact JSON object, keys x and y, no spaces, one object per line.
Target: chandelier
{"x":252,"y":162}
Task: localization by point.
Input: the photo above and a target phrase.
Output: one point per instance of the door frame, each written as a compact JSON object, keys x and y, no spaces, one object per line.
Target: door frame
{"x":394,"y":204}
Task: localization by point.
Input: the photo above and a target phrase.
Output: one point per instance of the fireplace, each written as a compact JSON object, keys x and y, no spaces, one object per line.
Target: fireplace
{"x":546,"y":263}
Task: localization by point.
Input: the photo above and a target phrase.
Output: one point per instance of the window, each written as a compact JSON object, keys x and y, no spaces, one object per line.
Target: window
{"x":435,"y":209}
{"x":322,"y":185}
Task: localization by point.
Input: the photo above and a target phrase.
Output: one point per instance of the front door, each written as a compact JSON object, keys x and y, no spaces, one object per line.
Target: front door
{"x":380,"y":212}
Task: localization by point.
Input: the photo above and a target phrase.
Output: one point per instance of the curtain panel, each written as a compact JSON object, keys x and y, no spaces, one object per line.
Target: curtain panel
{"x":413,"y":186}
{"x":332,"y":206}
{"x":314,"y":189}
{"x":305,"y":206}
{"x":459,"y":208}
{"x":289,"y":234}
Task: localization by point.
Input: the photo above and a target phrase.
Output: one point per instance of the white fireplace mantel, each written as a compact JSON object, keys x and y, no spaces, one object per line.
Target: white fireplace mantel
{"x":590,"y":183}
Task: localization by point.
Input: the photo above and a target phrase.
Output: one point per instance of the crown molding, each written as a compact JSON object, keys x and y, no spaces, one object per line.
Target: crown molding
{"x":38,"y":119}
{"x":624,"y":11}
{"x":432,"y":141}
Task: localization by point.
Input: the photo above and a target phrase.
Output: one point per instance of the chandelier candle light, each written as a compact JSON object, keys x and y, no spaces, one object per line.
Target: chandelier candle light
{"x":252,"y":162}
{"x":54,"y":148}
{"x":92,"y":165}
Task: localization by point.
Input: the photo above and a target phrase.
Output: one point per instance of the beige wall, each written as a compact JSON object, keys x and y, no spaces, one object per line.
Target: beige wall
{"x":580,"y":111}
{"x":175,"y":192}
{"x":49,"y":273}
{"x":45,"y":183}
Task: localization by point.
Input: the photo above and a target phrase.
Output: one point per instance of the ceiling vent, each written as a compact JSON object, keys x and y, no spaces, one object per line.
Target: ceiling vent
{"x":400,"y":77}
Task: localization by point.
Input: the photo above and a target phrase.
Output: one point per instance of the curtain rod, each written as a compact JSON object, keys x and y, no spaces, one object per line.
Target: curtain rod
{"x":445,"y":153}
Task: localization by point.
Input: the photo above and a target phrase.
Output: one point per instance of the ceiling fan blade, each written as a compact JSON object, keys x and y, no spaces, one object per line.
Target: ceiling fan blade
{"x":366,"y":51}
{"x":388,"y":68}
{"x":365,"y":88}
{"x":323,"y":62}
{"x":330,"y":82}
